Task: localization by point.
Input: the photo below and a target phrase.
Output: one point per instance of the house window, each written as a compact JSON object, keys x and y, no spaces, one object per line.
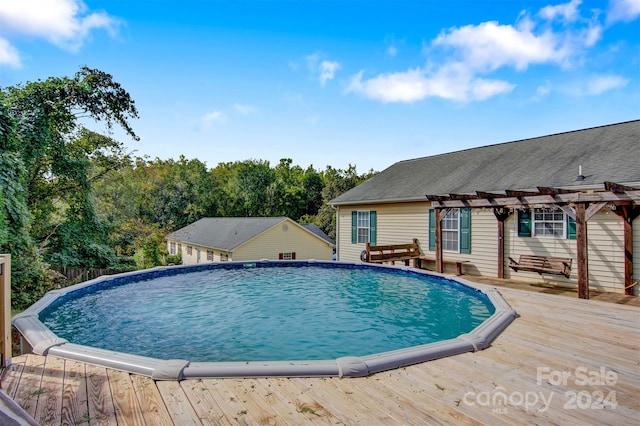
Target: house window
{"x":172,"y":248}
{"x":287,"y":256}
{"x":456,"y":230}
{"x":363,"y":227}
{"x":179,"y":248}
{"x":224,"y":257}
{"x":548,"y":223}
{"x":210,"y":255}
{"x":451,"y":231}
{"x":189,"y":250}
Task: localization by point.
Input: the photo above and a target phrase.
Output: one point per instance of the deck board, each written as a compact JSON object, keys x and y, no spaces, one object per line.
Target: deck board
{"x":553,"y":333}
{"x":75,"y":407}
{"x":151,"y":402}
{"x":125,"y":402}
{"x":99,"y":400}
{"x":49,"y":408}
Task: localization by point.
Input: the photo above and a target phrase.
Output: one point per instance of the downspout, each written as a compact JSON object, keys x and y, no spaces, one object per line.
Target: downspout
{"x":337,"y":209}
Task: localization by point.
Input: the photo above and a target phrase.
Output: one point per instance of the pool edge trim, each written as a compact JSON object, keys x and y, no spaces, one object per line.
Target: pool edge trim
{"x":44,"y":342}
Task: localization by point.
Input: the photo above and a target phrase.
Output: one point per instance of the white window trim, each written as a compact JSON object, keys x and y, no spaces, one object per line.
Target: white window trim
{"x":534,"y":225}
{"x":459,"y":232}
{"x":358,"y":227}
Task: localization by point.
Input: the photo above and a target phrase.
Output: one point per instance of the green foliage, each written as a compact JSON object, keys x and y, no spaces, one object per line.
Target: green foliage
{"x":48,"y":162}
{"x":73,"y":197}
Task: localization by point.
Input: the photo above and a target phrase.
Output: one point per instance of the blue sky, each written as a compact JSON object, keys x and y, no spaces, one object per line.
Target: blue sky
{"x":366,"y":83}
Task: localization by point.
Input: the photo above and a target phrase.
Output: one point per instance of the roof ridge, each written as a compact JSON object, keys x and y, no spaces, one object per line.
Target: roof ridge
{"x":515,"y":141}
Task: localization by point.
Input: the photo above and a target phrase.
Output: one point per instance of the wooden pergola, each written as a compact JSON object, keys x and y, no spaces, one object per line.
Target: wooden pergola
{"x":580,"y":205}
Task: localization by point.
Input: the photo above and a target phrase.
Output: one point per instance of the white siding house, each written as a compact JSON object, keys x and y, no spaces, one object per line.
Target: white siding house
{"x":396,"y":205}
{"x":227,"y":239}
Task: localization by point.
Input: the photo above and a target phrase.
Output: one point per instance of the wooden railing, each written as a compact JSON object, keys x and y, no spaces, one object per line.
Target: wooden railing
{"x":5,"y":310}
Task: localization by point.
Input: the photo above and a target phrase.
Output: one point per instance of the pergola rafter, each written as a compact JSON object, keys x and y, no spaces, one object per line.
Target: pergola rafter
{"x":581,"y":205}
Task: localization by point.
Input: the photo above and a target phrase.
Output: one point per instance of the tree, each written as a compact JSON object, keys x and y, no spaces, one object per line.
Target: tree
{"x":50,"y":155}
{"x":337,"y":181}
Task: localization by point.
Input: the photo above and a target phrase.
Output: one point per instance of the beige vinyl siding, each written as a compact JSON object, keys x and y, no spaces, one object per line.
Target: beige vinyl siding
{"x":396,"y":224}
{"x":278,"y":240}
{"x":484,"y":245}
{"x":218,"y":255}
{"x":514,"y":246}
{"x":400,"y":223}
{"x":605,"y":233}
{"x":605,"y":253}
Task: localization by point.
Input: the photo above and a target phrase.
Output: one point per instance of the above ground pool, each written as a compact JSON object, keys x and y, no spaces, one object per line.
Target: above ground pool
{"x":264,"y":318}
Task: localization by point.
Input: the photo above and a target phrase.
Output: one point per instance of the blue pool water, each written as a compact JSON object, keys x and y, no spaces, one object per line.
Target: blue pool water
{"x":269,"y":313}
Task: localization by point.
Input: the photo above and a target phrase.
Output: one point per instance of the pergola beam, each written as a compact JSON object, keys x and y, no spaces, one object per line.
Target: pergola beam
{"x":627,"y":197}
{"x":579,"y":205}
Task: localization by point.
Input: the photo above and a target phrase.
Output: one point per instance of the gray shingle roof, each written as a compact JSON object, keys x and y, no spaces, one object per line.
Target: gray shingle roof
{"x":606,"y":153}
{"x":314,"y":228}
{"x":225,"y":233}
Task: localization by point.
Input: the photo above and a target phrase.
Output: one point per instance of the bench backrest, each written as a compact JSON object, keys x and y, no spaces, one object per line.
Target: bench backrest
{"x":393,"y":251}
{"x":545,"y":262}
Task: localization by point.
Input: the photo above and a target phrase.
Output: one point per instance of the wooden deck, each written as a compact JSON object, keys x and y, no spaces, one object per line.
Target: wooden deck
{"x":563,"y":361}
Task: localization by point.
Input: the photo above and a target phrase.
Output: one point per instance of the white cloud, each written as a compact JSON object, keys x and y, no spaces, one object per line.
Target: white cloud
{"x":623,"y":10}
{"x":566,"y":12}
{"x":209,"y":118}
{"x":489,"y":45}
{"x":481,"y":89}
{"x":542,"y":91}
{"x":451,"y":83}
{"x":64,"y":23}
{"x":8,"y":54}
{"x":328,"y":70}
{"x":392,"y":51}
{"x":325,"y":70}
{"x":463,"y":59}
{"x":244,"y":109}
{"x":409,"y":86}
{"x":603,"y":83}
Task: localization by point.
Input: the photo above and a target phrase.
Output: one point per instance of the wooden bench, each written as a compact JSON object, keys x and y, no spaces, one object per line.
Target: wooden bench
{"x":458,"y":263}
{"x":542,"y":264}
{"x":392,"y":253}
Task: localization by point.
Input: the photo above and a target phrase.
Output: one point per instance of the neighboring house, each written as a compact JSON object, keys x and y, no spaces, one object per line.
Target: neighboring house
{"x":508,"y":199}
{"x":215,"y":239}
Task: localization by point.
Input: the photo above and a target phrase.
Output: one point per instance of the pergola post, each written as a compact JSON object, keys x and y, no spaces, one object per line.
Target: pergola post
{"x":501,"y":214}
{"x":438,"y":219}
{"x":628,"y":213}
{"x":581,"y":242}
{"x":5,"y":310}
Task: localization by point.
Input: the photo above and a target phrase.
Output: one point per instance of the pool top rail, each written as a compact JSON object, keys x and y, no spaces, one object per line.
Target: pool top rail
{"x":44,"y":342}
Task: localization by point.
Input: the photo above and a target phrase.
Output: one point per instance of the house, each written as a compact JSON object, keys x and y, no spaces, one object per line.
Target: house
{"x":527,"y":197}
{"x":215,"y":239}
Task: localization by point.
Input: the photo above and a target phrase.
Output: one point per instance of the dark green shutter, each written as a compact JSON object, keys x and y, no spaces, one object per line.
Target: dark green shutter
{"x":432,"y":229}
{"x":373,"y":229}
{"x":354,"y":227}
{"x":571,"y":228}
{"x":524,"y":223}
{"x":465,"y":231}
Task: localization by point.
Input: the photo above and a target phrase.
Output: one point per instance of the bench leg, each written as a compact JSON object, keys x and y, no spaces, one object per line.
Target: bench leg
{"x":459,"y":268}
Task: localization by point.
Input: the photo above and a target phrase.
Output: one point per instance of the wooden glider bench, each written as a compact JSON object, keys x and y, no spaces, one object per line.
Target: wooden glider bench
{"x":542,"y":264}
{"x":392,"y":253}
